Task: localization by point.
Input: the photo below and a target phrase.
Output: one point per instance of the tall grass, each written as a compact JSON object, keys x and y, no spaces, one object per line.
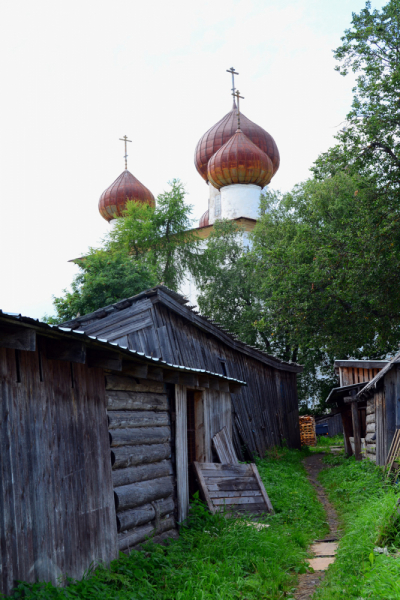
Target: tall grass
{"x":366,"y":503}
{"x":216,"y":557}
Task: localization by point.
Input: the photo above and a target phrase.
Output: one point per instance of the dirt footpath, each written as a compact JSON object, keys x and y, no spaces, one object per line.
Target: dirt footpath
{"x":310,"y":581}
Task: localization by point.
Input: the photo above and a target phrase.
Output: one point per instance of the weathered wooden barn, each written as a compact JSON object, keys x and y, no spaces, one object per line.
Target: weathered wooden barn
{"x":369,"y":403}
{"x":159,"y":323}
{"x":96,"y":442}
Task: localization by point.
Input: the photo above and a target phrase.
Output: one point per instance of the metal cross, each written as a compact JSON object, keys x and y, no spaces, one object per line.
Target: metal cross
{"x":237,"y":96}
{"x":233,"y":73}
{"x":125,"y":139}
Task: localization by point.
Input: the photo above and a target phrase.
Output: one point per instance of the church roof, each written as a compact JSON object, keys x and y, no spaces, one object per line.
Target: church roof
{"x":204,"y":219}
{"x":126,"y":187}
{"x":239,"y":160}
{"x":222,"y":131}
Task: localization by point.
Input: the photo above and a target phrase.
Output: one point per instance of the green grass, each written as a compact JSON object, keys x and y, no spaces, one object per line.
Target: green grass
{"x":324,"y":443}
{"x":365,"y":503}
{"x":216,"y":558}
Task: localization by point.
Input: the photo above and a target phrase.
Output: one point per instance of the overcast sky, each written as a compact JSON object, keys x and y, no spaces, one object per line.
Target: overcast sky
{"x":77,"y":76}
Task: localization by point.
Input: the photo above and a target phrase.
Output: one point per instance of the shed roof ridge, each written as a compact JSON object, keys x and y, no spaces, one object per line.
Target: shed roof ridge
{"x":102,"y":312}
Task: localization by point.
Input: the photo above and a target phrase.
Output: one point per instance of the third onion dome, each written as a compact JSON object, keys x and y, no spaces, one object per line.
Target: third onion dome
{"x":112,"y":203}
{"x":239,"y":160}
{"x":222,"y":131}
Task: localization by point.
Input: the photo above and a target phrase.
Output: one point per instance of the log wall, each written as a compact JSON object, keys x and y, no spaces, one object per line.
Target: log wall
{"x":57,"y":513}
{"x":139,"y":421}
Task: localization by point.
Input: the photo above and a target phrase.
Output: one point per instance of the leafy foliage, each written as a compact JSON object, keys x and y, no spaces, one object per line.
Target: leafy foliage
{"x":147,"y":246}
{"x":227,"y":284}
{"x":104,"y":278}
{"x":369,"y":144}
{"x":160,"y":237}
{"x":215,"y":557}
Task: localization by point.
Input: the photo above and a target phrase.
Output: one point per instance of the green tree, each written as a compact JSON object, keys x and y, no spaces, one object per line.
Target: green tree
{"x":104,"y":278}
{"x":369,"y":143}
{"x":328,"y":262}
{"x":160,"y":237}
{"x":226,"y":282}
{"x":145,"y":247}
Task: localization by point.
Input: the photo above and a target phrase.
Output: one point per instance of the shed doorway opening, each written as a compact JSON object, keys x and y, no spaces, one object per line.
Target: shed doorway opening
{"x":195,"y":436}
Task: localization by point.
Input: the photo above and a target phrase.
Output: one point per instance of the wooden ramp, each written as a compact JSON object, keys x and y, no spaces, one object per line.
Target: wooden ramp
{"x":224,"y":447}
{"x":237,"y":488}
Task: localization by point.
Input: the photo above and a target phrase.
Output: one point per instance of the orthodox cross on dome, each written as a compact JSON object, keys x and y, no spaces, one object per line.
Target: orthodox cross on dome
{"x":237,"y":96}
{"x":233,"y":73}
{"x":125,"y":139}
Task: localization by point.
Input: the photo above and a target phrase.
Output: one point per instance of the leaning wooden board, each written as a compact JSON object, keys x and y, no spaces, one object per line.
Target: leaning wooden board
{"x":224,"y":447}
{"x":238,"y":488}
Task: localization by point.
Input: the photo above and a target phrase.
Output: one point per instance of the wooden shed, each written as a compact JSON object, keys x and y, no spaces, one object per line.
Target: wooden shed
{"x":96,"y":442}
{"x":369,"y":404}
{"x":159,"y":323}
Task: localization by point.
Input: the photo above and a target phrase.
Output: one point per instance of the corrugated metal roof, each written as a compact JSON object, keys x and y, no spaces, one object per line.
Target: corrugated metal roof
{"x":122,"y":304}
{"x":63,"y":331}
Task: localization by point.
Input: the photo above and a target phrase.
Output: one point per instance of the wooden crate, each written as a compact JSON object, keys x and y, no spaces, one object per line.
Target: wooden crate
{"x":308,"y":436}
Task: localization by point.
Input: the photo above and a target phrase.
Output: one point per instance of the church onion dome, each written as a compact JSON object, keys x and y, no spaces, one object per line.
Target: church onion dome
{"x":126,"y":187}
{"x":220,"y":133}
{"x":204,"y":222}
{"x":239,"y":161}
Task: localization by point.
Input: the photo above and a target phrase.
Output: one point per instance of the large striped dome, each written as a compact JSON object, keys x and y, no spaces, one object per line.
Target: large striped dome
{"x":220,"y":133}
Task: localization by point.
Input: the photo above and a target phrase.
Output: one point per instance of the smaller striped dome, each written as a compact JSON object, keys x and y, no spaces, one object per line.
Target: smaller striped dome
{"x":126,"y":187}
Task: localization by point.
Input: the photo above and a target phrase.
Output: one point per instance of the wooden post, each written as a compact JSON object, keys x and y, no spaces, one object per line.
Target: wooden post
{"x":356,"y":430}
{"x":347,"y":432}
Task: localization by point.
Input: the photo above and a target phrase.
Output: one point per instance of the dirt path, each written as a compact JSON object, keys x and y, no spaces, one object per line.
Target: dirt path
{"x":310,"y":581}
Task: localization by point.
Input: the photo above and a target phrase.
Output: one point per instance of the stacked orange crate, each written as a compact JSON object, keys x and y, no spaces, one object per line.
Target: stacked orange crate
{"x":307,"y":431}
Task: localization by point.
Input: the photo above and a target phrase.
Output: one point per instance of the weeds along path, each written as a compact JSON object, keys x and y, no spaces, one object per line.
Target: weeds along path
{"x":308,"y":582}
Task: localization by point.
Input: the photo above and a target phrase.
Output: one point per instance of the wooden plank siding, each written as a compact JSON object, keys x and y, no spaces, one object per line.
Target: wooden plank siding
{"x":57,"y":513}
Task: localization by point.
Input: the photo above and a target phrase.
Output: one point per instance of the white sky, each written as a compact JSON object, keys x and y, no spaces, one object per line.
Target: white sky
{"x":77,"y":76}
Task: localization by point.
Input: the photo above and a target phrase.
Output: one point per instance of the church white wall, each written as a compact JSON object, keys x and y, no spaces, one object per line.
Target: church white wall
{"x":240,"y":200}
{"x":214,"y":204}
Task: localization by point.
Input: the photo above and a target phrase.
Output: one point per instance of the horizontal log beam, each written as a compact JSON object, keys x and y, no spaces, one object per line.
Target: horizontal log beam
{"x":104,"y":360}
{"x":141,"y":473}
{"x":131,"y":539}
{"x":140,"y":436}
{"x":137,"y":418}
{"x":131,"y":384}
{"x":136,"y":494}
{"x":136,"y":401}
{"x":144,"y":514}
{"x":63,"y":349}
{"x":129,"y":456}
{"x":17,"y":338}
{"x":135,"y":370}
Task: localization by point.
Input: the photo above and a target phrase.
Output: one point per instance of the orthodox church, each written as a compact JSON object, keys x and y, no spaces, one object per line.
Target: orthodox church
{"x":236,"y":158}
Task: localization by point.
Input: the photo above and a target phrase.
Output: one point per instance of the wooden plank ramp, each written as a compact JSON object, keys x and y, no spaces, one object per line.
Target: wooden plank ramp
{"x":237,"y":488}
{"x":224,"y":447}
